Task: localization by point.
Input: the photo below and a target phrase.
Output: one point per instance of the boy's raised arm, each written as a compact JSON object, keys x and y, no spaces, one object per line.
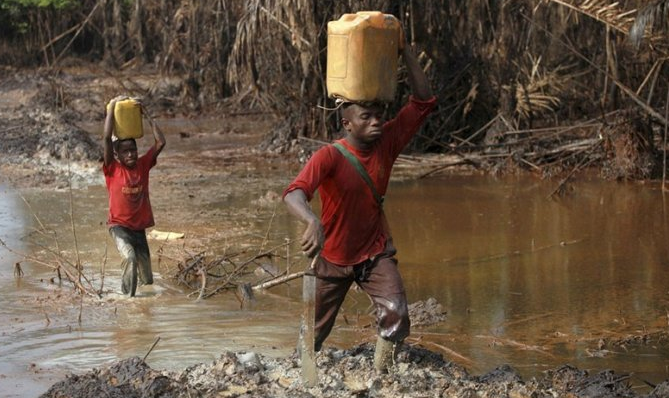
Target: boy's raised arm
{"x":159,"y":138}
{"x":108,"y":151}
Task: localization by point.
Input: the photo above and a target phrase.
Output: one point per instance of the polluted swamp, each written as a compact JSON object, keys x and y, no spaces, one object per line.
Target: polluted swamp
{"x":221,"y":253}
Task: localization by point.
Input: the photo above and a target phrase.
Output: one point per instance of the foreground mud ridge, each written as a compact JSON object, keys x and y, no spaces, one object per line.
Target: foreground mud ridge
{"x":342,"y":373}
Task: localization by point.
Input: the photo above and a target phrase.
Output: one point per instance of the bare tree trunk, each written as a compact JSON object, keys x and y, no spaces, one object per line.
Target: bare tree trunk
{"x":138,"y":32}
{"x":613,"y":68}
{"x":112,"y":32}
{"x":510,"y":44}
{"x":167,"y":36}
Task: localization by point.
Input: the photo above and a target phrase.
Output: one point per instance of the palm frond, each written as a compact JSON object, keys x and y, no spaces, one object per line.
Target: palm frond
{"x":605,"y":11}
{"x":538,"y":89}
{"x":653,"y":16}
{"x":635,"y":25}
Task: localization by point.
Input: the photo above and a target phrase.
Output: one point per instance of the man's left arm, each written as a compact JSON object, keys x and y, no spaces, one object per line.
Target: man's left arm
{"x":409,"y":119}
{"x":420,"y":86}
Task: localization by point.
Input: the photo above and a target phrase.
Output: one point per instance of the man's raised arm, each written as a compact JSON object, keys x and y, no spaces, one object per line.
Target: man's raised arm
{"x":420,"y":87}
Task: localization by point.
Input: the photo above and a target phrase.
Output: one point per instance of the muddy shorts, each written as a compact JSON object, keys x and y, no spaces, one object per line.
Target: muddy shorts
{"x":134,"y":250}
{"x":379,"y":278}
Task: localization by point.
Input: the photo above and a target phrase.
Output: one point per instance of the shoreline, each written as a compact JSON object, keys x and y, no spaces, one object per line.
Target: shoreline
{"x":342,"y":373}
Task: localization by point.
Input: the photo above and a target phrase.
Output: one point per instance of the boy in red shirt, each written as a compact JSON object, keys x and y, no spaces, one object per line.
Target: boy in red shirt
{"x":127,"y":179}
{"x":351,"y":235}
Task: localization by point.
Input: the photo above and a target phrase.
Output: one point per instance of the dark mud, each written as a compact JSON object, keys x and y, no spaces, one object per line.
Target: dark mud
{"x":41,"y":114}
{"x":342,"y":373}
{"x":426,"y":313}
{"x":417,"y":372}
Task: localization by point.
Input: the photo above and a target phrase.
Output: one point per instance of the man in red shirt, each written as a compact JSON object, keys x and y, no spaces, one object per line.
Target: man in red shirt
{"x":351,"y":235}
{"x":127,"y":179}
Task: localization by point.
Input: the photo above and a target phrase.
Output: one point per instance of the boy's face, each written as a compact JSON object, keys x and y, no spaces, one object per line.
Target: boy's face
{"x":363,"y":122}
{"x":126,"y":153}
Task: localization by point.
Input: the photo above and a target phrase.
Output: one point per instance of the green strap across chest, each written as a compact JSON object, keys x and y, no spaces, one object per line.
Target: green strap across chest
{"x":361,"y":170}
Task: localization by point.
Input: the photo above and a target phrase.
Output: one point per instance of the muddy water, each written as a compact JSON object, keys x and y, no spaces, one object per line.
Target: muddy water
{"x":514,"y":267}
{"x":524,"y":279}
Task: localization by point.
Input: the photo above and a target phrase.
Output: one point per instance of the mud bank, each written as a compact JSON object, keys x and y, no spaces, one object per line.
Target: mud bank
{"x":342,"y":373}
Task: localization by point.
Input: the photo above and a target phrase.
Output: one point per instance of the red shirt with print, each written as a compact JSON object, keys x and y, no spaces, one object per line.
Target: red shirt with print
{"x":350,"y":215}
{"x":128,"y":189}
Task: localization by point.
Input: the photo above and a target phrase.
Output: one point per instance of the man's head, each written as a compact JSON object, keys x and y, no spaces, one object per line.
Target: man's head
{"x":126,"y":152}
{"x":362,"y":122}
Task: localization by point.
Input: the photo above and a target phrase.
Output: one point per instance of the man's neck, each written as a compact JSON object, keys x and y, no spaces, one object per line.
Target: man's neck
{"x":360,"y":146}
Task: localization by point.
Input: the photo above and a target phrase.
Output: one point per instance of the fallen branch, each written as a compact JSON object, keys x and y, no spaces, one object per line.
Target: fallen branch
{"x":513,"y":343}
{"x":278,"y":281}
{"x":79,"y":29}
{"x":69,"y":275}
{"x":227,"y":283}
{"x":12,"y":128}
{"x":584,"y":162}
{"x":203,"y":284}
{"x":444,"y":166}
{"x":447,"y":350}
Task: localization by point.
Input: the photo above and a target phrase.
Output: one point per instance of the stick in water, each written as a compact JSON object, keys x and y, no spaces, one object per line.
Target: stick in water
{"x":151,"y":349}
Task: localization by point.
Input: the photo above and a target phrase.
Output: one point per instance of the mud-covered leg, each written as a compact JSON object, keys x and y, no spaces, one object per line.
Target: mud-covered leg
{"x":383,"y":283}
{"x":385,"y":354}
{"x":123,"y":241}
{"x":129,"y":278}
{"x":143,"y":254}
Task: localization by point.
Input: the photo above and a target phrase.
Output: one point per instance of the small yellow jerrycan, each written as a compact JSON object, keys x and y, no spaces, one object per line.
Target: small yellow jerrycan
{"x":127,"y":119}
{"x":362,"y":53}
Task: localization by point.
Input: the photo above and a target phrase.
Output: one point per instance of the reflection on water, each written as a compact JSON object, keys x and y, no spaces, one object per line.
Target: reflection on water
{"x":526,"y":280}
{"x":512,"y":266}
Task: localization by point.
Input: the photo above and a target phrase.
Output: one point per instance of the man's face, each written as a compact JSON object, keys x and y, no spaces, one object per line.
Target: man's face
{"x":363,"y":123}
{"x":126,"y":153}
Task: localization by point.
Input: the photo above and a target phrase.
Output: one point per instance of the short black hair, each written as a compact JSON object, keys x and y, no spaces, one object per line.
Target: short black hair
{"x":365,"y":104}
{"x":116,"y":143}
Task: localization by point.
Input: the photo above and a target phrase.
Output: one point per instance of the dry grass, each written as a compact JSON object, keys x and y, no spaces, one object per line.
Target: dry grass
{"x":535,"y":63}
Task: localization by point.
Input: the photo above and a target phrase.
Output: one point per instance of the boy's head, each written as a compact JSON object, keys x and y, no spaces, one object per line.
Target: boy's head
{"x":126,"y":152}
{"x":363,"y":120}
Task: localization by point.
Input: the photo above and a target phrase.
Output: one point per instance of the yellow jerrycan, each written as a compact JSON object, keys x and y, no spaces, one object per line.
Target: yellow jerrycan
{"x":127,"y":119}
{"x":362,"y":53}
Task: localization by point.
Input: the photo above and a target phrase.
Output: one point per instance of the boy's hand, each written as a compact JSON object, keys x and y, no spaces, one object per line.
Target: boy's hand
{"x":139,"y":103}
{"x":113,"y":101}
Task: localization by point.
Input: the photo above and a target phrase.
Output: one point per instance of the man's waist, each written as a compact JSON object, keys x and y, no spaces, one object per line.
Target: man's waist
{"x":347,"y":258}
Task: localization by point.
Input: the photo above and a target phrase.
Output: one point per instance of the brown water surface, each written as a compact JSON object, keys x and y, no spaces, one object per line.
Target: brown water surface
{"x":524,"y":279}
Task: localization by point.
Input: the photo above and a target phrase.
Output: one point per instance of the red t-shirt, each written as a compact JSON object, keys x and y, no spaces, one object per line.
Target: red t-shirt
{"x":128,"y":190}
{"x":350,"y":215}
